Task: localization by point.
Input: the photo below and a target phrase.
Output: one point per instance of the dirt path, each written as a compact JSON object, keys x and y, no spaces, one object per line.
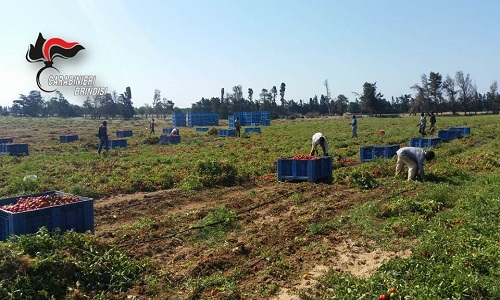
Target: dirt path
{"x":271,"y":250}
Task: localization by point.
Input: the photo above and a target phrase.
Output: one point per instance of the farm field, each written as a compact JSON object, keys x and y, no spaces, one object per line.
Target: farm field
{"x":210,"y":217}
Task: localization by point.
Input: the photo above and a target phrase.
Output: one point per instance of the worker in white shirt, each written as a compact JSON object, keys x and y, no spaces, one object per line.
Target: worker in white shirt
{"x":319,"y":139}
{"x":413,"y":158}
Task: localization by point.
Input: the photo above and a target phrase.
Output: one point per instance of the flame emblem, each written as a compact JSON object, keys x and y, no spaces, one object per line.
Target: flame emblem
{"x":46,"y":50}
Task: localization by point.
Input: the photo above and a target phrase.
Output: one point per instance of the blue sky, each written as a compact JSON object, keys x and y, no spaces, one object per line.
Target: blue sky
{"x":190,"y":49}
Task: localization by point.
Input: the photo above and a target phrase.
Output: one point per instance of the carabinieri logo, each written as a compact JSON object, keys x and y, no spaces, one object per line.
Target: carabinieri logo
{"x":46,"y":50}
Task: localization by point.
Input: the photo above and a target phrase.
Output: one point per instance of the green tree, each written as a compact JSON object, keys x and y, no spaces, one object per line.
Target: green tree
{"x":125,"y":104}
{"x":106,"y":106}
{"x":29,"y":105}
{"x":328,"y":97}
{"x":422,"y":99}
{"x":341,"y":104}
{"x":157,"y":107}
{"x":370,"y":99}
{"x":493,"y":98}
{"x":274,"y":93}
{"x":250,"y":94}
{"x":401,"y":104}
{"x":449,"y":88}
{"x":466,"y":90}
{"x":88,"y":107}
{"x":435,"y":85}
{"x":282,"y":93}
{"x":265,"y":99}
{"x":59,"y":106}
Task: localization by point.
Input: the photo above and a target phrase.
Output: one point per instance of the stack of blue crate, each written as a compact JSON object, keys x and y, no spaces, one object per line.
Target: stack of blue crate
{"x":252,"y":129}
{"x":170,"y":139}
{"x":251,"y":118}
{"x":464,"y":130}
{"x":179,"y":120}
{"x":203,"y":119}
{"x":371,"y":153}
{"x":449,"y":135}
{"x":124,"y":133}
{"x":425,"y":142}
{"x":305,"y":169}
{"x":227,"y":132}
{"x":14,"y":149}
{"x":6,"y":140}
{"x":68,"y":138}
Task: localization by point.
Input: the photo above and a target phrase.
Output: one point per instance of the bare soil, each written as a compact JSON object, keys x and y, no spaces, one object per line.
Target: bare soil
{"x":270,"y":251}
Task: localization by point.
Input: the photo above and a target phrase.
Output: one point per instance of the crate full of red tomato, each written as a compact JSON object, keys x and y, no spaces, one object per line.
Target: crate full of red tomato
{"x":52,"y":209}
{"x":305,"y":167}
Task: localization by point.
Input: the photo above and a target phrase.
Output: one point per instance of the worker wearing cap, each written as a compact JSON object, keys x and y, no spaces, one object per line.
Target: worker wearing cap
{"x":413,"y":158}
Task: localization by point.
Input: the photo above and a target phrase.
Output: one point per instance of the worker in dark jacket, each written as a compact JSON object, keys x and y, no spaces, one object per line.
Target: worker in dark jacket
{"x":237,"y":125}
{"x":102,"y":133}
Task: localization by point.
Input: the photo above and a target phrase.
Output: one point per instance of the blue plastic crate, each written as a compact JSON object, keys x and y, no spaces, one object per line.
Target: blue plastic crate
{"x":68,"y":138}
{"x":227,"y":132}
{"x":201,"y":129}
{"x":370,"y":153}
{"x":252,"y":129}
{"x":230,"y":121}
{"x":115,"y":143}
{"x":448,"y":135}
{"x":170,"y":139}
{"x":251,"y":118}
{"x":179,"y":120}
{"x":203,"y":119}
{"x":425,"y":142}
{"x":6,"y":140}
{"x":166,"y":130}
{"x":124,"y":133}
{"x":463,"y":129}
{"x":14,"y":149}
{"x":78,"y":216}
{"x":305,"y":169}
{"x":265,"y":122}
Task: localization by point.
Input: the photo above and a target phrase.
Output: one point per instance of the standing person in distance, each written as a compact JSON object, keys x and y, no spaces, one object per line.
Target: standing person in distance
{"x":413,"y":158}
{"x":354,"y":124}
{"x":237,"y":125}
{"x":102,"y":133}
{"x":152,"y":126}
{"x":423,"y":121}
{"x":318,"y":139}
{"x":432,"y":126}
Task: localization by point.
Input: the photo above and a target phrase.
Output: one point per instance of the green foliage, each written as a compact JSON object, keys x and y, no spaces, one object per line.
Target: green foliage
{"x":213,"y":131}
{"x":319,"y":228}
{"x":47,"y":264}
{"x":223,"y":287}
{"x":457,"y":257}
{"x":152,"y":140}
{"x":450,"y":221}
{"x":216,"y":224}
{"x":211,"y":173}
{"x":363,"y":180}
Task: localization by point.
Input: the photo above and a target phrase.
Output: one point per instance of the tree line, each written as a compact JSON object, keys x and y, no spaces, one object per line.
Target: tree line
{"x":433,"y":93}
